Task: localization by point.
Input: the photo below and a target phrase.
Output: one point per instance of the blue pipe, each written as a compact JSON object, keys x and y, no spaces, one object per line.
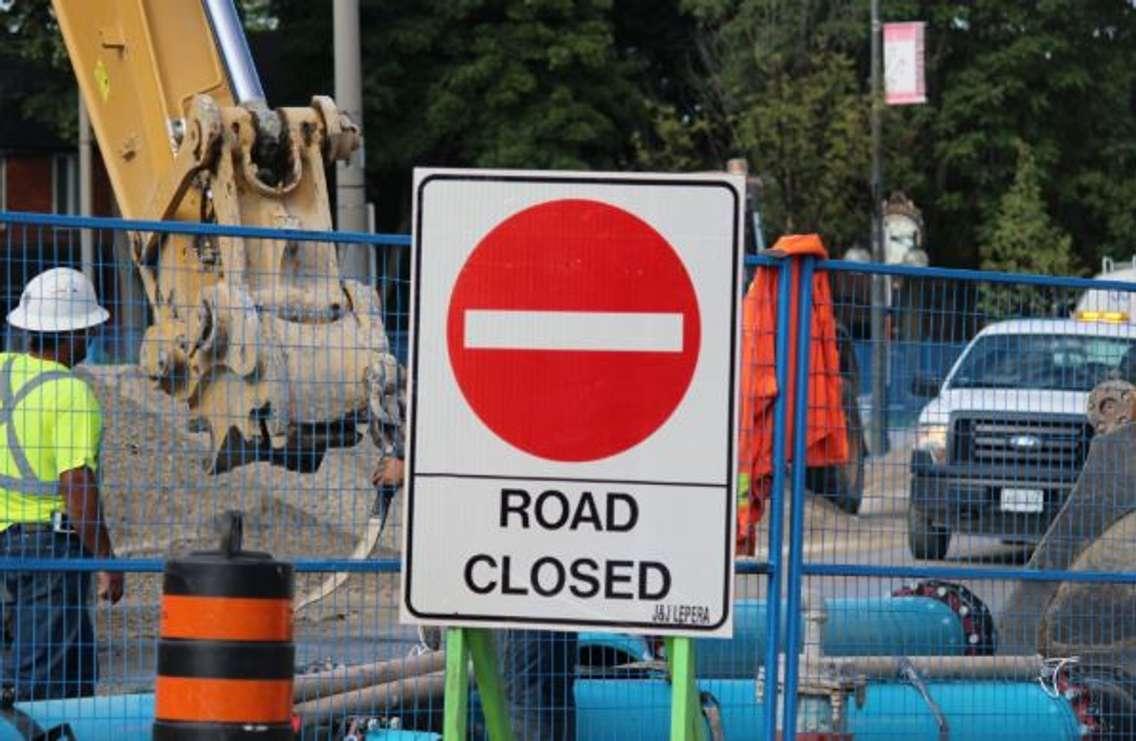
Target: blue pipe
{"x":626,"y":710}
{"x":975,"y":710}
{"x":873,"y":626}
{"x":126,"y":718}
{"x":868,"y":626}
{"x":108,"y":718}
{"x":629,"y":710}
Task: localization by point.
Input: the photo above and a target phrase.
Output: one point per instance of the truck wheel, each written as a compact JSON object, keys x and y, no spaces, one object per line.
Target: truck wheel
{"x":927,"y":541}
{"x":843,"y":485}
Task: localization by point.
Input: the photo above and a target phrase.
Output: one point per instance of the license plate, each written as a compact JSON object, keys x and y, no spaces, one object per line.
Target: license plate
{"x":1023,"y":500}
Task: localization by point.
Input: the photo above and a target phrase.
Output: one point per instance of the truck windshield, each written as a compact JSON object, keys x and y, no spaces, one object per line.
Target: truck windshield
{"x":1050,"y":362}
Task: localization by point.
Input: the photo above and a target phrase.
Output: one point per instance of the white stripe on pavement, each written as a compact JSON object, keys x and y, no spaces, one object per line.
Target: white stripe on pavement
{"x":596,"y":331}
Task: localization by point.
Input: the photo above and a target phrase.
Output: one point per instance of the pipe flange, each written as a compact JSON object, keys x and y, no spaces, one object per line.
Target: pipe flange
{"x":1087,"y":695}
{"x":1102,"y":696}
{"x":973,"y":614}
{"x":1080,"y":699}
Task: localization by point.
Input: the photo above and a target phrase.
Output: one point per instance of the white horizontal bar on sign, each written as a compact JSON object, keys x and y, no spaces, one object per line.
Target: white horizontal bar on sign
{"x":595,"y":331}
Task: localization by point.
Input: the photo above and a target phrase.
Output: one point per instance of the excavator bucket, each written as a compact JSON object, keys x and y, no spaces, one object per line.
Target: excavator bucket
{"x":276,"y":355}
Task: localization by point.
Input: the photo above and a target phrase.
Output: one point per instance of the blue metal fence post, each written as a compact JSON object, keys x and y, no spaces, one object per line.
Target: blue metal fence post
{"x":797,"y":497}
{"x":777,"y":501}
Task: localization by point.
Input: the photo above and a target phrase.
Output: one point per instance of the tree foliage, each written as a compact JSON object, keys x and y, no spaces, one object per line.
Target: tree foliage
{"x":36,"y":77}
{"x":682,"y":85}
{"x":36,"y":81}
{"x":786,"y":84}
{"x":1022,"y":238}
{"x":1057,"y":74}
{"x":780,"y":86}
{"x":483,"y":83}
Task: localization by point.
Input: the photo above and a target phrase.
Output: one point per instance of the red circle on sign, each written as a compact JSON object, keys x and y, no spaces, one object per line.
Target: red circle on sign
{"x":573,"y":330}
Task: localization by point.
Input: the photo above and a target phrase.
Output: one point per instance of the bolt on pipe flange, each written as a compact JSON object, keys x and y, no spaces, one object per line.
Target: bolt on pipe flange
{"x":975,"y":618}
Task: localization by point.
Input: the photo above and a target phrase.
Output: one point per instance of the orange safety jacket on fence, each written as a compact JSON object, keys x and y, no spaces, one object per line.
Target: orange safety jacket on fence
{"x":827,"y":442}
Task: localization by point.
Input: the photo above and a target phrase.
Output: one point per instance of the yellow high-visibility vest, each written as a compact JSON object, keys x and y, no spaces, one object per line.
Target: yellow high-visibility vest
{"x":50,"y":422}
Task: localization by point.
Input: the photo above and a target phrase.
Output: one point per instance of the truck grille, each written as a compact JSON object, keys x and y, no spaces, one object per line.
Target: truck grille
{"x":1052,"y":442}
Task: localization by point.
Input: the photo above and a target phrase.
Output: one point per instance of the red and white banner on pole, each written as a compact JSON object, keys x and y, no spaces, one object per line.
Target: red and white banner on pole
{"x":904,"y":83}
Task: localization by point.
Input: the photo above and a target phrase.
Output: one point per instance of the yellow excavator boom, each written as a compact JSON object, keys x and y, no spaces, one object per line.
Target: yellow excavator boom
{"x":139,"y":63}
{"x":275,"y":354}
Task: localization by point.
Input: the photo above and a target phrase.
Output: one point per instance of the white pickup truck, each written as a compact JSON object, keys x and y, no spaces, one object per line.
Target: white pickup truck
{"x":1001,"y":444}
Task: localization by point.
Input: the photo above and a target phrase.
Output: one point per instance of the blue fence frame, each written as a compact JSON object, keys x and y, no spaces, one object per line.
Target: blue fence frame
{"x":780,"y":574}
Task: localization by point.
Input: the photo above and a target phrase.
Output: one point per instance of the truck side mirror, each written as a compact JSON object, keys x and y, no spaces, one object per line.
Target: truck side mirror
{"x":926,"y":386}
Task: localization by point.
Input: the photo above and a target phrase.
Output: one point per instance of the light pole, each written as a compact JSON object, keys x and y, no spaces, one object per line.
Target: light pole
{"x":350,"y":177}
{"x":879,"y":444}
{"x":86,"y":236}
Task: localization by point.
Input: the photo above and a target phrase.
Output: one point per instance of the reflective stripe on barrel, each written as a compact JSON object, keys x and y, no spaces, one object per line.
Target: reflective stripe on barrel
{"x":226,"y":618}
{"x":225,"y":654}
{"x":223,"y":700}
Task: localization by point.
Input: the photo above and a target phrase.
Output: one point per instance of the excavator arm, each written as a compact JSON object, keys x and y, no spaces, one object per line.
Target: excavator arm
{"x":275,"y":354}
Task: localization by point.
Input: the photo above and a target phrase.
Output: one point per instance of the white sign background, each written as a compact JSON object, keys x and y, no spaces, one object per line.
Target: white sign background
{"x":682,"y":476}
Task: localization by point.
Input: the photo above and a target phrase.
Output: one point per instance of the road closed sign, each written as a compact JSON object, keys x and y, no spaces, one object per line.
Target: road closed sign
{"x":573,"y":401}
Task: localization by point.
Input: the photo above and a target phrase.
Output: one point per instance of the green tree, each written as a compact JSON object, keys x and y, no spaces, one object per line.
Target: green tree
{"x":481,"y":83}
{"x":36,"y":82}
{"x":36,"y":77}
{"x":686,"y":84}
{"x":1023,"y":239}
{"x":1056,"y":73}
{"x":781,"y":86}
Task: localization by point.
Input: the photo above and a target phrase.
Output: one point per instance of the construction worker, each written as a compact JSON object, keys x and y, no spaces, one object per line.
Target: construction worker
{"x":50,"y":430}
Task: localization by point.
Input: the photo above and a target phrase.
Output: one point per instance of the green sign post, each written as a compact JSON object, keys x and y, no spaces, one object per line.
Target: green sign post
{"x":686,"y":707}
{"x":463,"y":644}
{"x":477,"y":644}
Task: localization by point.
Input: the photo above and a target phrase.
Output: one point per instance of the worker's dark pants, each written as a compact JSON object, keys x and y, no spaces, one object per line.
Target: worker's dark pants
{"x":52,"y":653}
{"x":538,"y":669}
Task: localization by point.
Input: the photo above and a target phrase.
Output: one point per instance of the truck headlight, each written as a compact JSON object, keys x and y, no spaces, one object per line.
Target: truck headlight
{"x":932,"y":438}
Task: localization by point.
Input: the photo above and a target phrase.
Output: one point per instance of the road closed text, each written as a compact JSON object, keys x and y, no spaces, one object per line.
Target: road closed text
{"x":552,"y":576}
{"x":571,"y":553}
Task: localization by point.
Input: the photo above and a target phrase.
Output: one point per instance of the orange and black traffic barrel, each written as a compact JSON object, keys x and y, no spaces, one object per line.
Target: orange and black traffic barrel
{"x":225,"y":651}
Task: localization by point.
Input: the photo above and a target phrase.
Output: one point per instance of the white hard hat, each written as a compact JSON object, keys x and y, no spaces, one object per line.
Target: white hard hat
{"x":58,"y":300}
